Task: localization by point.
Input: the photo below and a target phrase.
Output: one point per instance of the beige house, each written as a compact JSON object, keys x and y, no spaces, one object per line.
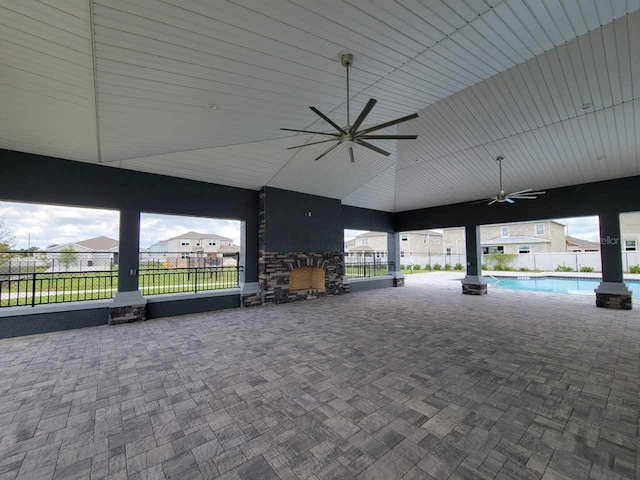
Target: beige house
{"x":415,"y":242}
{"x":518,"y":237}
{"x":630,"y":231}
{"x":574,"y":244}
{"x":194,"y":242}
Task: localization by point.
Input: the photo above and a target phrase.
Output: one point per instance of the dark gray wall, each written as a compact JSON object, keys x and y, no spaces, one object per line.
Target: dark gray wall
{"x":192,"y":305}
{"x":612,"y":196}
{"x":52,"y":322}
{"x":287,"y":229}
{"x":38,"y":179}
{"x":356,"y":218}
{"x":384,"y":282}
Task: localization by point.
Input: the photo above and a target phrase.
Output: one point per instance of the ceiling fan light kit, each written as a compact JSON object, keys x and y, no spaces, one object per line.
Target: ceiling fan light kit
{"x":503,"y":197}
{"x":350,"y":135}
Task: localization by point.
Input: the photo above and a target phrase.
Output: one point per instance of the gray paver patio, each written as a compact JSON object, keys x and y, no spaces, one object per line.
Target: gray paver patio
{"x":407,"y":383}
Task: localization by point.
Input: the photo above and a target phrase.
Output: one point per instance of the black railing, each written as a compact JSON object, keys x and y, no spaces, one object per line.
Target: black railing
{"x":367,"y":269}
{"x":39,"y":288}
{"x":157,"y":281}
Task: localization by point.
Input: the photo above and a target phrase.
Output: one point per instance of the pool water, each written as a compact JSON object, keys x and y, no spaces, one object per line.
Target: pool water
{"x":574,"y":286}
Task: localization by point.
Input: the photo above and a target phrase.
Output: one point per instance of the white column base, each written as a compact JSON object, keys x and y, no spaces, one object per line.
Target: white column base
{"x":250,"y":288}
{"x":613,"y":288}
{"x":396,"y":274}
{"x":474,"y":280}
{"x":127,"y":299}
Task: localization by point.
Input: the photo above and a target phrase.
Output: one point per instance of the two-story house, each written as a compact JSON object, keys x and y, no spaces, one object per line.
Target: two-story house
{"x":519,"y":237}
{"x":630,"y":231}
{"x":418,"y":242}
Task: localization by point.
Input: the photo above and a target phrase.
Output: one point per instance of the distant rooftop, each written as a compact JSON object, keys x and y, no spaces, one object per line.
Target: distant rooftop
{"x":99,"y":243}
{"x":200,"y":235}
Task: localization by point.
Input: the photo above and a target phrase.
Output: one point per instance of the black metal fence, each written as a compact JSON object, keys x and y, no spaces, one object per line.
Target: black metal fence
{"x":156,"y":281}
{"x":367,"y":269}
{"x":38,"y":288}
{"x":36,"y":278}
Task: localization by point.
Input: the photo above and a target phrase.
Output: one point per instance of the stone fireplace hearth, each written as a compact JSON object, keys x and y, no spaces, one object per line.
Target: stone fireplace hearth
{"x":295,"y":276}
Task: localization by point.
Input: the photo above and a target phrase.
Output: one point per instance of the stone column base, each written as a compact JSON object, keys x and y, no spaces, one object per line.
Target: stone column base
{"x":398,"y":278}
{"x":127,"y":307}
{"x":250,"y":294}
{"x":474,"y":285}
{"x":613,"y":295}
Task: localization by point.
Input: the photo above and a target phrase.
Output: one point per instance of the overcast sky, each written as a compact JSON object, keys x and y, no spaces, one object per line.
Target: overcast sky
{"x":52,"y":224}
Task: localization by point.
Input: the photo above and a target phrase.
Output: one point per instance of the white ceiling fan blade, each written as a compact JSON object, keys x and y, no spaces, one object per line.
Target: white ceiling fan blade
{"x":482,"y":201}
{"x":521,"y":191}
{"x":523,"y":197}
{"x":509,"y":200}
{"x":493,"y":201}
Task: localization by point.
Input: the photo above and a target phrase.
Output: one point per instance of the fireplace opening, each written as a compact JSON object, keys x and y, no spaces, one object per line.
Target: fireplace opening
{"x":306,"y":278}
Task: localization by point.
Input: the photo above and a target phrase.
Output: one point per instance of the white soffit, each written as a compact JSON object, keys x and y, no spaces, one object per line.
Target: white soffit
{"x":47,"y":95}
{"x":533,"y":114}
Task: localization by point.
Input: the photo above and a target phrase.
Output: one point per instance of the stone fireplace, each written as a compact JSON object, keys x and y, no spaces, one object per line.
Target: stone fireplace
{"x":292,"y":276}
{"x":285,"y":273}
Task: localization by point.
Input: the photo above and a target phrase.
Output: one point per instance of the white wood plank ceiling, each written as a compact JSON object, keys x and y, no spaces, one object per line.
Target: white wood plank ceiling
{"x":129,"y":84}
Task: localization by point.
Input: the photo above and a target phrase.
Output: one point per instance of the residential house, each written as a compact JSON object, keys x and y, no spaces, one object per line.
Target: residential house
{"x":195,"y":249}
{"x":417,"y":242}
{"x":630,"y":231}
{"x":93,"y":254}
{"x":574,"y":244}
{"x":519,"y":237}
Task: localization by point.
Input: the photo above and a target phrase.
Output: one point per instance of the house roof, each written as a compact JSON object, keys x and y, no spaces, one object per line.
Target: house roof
{"x":101,"y":243}
{"x":379,"y":234}
{"x":350,"y":243}
{"x":229,"y":248}
{"x":425,"y":232}
{"x":578,"y":242}
{"x":193,"y":234}
{"x":521,"y":239}
{"x":371,"y":234}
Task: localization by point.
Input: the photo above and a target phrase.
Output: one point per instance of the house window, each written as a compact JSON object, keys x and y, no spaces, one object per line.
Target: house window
{"x":185,"y":243}
{"x":198,"y":244}
{"x":489,"y":250}
{"x":539,"y":228}
{"x":524,"y":249}
{"x":630,"y":245}
{"x":364,"y":241}
{"x":448,"y":250}
{"x":425,"y":239}
{"x":504,"y":232}
{"x":404,"y":237}
{"x":402,"y":253}
{"x":212,"y":243}
{"x":185,"y":255}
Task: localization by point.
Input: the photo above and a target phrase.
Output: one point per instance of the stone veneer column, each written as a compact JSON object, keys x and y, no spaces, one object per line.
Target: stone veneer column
{"x":393,"y":253}
{"x":128,"y":304}
{"x":612,"y":292}
{"x":473,"y":283}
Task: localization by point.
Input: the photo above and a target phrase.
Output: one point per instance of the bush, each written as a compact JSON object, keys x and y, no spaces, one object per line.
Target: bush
{"x":499,"y":261}
{"x":634,"y":269}
{"x":447,"y":266}
{"x":484,"y":266}
{"x":437,"y":266}
{"x":523,"y":269}
{"x":498,"y":267}
{"x":427,"y":266}
{"x":563,"y":268}
{"x":416,"y":267}
{"x":586,"y":269}
{"x":458,"y":266}
{"x":403,"y":266}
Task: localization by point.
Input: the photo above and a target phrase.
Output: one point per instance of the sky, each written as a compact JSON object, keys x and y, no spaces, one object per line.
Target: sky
{"x":48,"y":224}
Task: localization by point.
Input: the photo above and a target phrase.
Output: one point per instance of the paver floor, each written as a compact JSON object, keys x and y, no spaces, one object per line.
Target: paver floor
{"x":406,"y":383}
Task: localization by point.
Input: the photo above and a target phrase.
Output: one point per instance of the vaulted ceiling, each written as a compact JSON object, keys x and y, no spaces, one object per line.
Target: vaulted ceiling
{"x":553,"y":85}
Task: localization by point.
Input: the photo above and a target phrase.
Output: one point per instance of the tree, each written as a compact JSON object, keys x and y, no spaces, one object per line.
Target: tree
{"x":68,"y":257}
{"x":7,"y":242}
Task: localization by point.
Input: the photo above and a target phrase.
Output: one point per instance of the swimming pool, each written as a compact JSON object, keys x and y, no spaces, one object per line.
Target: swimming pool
{"x":574,"y":286}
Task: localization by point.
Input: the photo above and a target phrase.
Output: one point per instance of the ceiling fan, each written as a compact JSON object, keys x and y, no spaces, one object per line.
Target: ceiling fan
{"x":351,"y":135}
{"x":502,"y":197}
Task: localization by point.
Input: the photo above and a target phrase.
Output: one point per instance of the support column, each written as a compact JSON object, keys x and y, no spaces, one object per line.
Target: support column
{"x":612,"y":291}
{"x":474,"y":283}
{"x":128,"y":304}
{"x":393,"y":254}
{"x":250,"y":291}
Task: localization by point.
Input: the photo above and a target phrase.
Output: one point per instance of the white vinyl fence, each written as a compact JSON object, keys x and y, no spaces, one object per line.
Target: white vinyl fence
{"x":547,"y":262}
